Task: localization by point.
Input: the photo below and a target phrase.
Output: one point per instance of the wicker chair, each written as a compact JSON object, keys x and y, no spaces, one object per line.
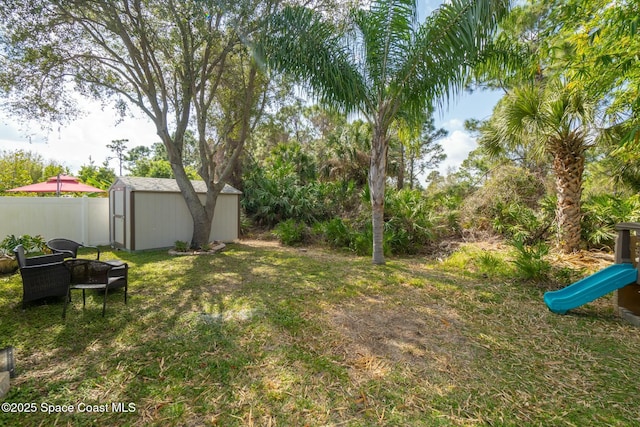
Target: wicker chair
{"x":42,"y":276}
{"x":99,"y":275}
{"x":68,"y":247}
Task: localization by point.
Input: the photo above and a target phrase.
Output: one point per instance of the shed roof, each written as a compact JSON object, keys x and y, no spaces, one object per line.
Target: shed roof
{"x":164,"y":185}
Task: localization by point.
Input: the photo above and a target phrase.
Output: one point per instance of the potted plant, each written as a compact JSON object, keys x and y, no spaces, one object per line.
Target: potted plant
{"x":8,"y":263}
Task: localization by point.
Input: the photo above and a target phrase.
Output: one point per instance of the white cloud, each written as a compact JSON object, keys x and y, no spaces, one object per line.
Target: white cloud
{"x":453,"y":125}
{"x":72,"y":144}
{"x":457,"y":146}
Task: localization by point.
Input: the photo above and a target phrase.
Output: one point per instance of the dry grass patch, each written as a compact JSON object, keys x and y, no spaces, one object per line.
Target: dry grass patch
{"x":376,"y":334}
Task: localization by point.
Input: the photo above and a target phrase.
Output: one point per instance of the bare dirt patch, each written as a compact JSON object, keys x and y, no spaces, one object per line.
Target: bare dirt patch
{"x":377,"y":333}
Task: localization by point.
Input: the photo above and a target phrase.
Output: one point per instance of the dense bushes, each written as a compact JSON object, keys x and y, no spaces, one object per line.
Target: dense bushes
{"x":270,"y":200}
{"x":602,"y":212}
{"x":412,"y":219}
{"x":284,"y":193}
{"x":510,"y":203}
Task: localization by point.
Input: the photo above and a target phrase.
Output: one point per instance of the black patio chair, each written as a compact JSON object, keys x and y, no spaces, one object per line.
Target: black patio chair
{"x":98,"y":275}
{"x":69,"y":248}
{"x":42,"y":276}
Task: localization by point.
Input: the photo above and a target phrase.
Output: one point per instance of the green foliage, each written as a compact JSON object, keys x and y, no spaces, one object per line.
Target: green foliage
{"x":118,"y":147}
{"x":53,"y":169}
{"x":269,"y":200}
{"x":337,"y":233}
{"x":602,"y":212}
{"x":517,"y":221}
{"x":491,"y":265}
{"x":30,"y":243}
{"x":19,"y":168}
{"x":410,"y":222}
{"x":101,"y":177}
{"x":153,"y":161}
{"x":413,"y":221}
{"x":509,"y":203}
{"x":291,"y":232}
{"x":286,"y":188}
{"x":529,"y":260}
{"x":181,"y":246}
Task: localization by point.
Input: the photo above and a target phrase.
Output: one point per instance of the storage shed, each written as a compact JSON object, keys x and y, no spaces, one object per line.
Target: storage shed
{"x":150,"y":213}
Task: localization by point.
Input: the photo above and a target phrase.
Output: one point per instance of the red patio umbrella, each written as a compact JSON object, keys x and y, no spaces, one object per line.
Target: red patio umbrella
{"x":59,"y":184}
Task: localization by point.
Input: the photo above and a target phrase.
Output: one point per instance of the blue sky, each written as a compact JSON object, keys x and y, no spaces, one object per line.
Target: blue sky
{"x":459,"y":143}
{"x":476,"y":105}
{"x":72,"y":144}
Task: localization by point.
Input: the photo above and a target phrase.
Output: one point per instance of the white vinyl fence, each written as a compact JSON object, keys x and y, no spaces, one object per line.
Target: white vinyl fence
{"x":82,"y":219}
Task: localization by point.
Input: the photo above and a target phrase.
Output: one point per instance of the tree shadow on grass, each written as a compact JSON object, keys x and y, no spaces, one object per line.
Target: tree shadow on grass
{"x":214,"y":334}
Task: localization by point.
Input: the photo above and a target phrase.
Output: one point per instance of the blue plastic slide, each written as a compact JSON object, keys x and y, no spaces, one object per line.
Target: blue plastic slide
{"x":595,"y":286}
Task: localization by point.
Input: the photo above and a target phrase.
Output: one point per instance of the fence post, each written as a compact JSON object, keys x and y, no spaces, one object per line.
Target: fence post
{"x":84,"y":221}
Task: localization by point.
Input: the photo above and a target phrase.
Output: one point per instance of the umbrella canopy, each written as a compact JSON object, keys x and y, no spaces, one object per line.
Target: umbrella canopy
{"x":59,"y":184}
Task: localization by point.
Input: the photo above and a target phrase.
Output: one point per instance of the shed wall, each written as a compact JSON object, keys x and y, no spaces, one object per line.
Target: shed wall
{"x":226,"y":218}
{"x":159,"y":219}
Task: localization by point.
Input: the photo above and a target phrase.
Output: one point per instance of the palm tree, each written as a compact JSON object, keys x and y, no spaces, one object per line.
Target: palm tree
{"x":550,"y":119}
{"x":382,"y":64}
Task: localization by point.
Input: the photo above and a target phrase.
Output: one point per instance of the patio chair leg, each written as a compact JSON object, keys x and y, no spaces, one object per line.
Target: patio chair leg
{"x":104,"y":302}
{"x":83,"y":299}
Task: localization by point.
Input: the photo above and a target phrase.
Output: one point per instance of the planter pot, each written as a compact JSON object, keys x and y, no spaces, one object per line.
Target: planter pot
{"x":8,"y":264}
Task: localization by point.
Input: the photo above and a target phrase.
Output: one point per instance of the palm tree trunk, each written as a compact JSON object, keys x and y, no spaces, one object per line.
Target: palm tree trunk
{"x":377,"y":180}
{"x":400,"y":183}
{"x":568,"y":165}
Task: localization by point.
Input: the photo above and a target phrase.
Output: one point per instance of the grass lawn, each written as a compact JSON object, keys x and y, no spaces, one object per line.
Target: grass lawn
{"x":269,"y":336}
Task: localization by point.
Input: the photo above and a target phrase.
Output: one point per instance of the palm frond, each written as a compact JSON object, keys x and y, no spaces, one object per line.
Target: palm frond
{"x":387,"y":32}
{"x":447,"y":45}
{"x":303,"y":44}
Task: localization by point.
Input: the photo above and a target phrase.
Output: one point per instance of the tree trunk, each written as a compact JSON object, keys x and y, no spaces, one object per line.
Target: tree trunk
{"x":377,"y":180}
{"x":201,"y":216}
{"x":568,"y":165}
{"x":412,"y":160}
{"x":400,"y":183}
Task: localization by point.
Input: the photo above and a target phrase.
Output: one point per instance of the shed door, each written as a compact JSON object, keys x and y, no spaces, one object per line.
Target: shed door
{"x":118,"y":218}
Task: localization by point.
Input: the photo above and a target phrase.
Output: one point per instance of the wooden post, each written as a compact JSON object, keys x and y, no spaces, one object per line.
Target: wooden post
{"x":622,"y":248}
{"x":627,"y":299}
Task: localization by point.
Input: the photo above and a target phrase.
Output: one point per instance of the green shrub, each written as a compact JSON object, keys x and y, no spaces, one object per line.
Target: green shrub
{"x":337,"y":233}
{"x":409,"y":221}
{"x":509,"y":203}
{"x":30,"y":243}
{"x":269,"y":200}
{"x":519,"y":222}
{"x":602,"y":212}
{"x":291,"y":232}
{"x":362,"y":242}
{"x":181,"y":246}
{"x":529,"y":261}
{"x":490,"y":264}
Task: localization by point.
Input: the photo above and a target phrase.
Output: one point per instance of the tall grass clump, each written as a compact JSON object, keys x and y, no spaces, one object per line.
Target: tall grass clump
{"x":530,"y":262}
